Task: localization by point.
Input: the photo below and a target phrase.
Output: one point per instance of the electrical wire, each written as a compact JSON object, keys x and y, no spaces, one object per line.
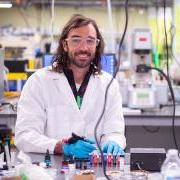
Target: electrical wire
{"x":168,"y":105}
{"x":26,"y":14}
{"x":52,"y":22}
{"x":157,"y":27}
{"x":122,"y":39}
{"x":166,"y":40}
{"x":142,"y":170}
{"x":24,"y":17}
{"x":173,"y":100}
{"x":106,"y":93}
{"x":168,"y":79}
{"x":172,"y":33}
{"x":40,"y":17}
{"x":13,"y":106}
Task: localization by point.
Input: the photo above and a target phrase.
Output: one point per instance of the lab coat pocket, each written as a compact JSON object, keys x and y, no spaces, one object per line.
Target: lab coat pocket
{"x":58,"y":125}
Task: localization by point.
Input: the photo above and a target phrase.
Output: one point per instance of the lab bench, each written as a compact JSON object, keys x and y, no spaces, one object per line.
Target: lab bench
{"x":143,"y":129}
{"x":98,"y":170}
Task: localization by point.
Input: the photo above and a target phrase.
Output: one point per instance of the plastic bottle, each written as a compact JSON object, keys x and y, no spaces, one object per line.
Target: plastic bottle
{"x":171,"y":166}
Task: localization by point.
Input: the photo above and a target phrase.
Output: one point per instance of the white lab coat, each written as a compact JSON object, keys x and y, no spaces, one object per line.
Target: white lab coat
{"x":48,"y":112}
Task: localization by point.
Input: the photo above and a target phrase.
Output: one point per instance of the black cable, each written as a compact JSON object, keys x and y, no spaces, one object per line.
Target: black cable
{"x":106,"y":92}
{"x":13,"y":106}
{"x":168,"y":79}
{"x":166,"y":40}
{"x":168,"y":105}
{"x":173,"y":100}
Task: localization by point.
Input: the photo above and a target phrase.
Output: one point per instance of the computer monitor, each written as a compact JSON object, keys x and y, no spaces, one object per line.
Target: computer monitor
{"x":47,"y":59}
{"x":108,"y":62}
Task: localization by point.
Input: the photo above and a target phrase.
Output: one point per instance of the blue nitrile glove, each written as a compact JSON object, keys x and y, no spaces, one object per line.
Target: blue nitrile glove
{"x":79,"y":149}
{"x":113,"y":148}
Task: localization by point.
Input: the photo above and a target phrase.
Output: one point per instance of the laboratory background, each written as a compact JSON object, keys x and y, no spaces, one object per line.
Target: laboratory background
{"x":142,"y":51}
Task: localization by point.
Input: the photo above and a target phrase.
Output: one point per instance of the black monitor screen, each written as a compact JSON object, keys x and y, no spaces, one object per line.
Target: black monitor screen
{"x":18,"y":66}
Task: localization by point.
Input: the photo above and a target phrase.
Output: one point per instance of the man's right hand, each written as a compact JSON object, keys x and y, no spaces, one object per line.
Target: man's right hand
{"x":79,"y":149}
{"x":58,"y":150}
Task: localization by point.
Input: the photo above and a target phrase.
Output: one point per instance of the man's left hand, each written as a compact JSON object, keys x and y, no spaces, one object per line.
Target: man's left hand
{"x":113,"y":148}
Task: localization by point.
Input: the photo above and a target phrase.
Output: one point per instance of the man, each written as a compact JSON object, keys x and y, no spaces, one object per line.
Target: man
{"x":69,"y":97}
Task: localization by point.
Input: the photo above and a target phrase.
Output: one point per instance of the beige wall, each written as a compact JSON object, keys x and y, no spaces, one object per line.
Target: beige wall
{"x":36,"y":17}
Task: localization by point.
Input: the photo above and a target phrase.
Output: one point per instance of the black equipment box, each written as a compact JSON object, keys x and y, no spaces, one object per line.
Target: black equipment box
{"x":16,"y":66}
{"x":148,"y":159}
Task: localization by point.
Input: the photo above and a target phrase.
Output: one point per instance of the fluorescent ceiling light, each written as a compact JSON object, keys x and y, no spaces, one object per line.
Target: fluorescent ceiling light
{"x":5,"y":4}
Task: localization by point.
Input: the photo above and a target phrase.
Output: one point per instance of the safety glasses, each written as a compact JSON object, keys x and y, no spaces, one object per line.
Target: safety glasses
{"x":76,"y":41}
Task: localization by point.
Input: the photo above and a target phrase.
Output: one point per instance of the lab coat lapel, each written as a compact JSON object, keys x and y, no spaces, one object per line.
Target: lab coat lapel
{"x":64,"y":88}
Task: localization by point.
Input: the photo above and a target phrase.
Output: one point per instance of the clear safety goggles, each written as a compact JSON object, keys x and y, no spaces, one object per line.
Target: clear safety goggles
{"x":76,"y":41}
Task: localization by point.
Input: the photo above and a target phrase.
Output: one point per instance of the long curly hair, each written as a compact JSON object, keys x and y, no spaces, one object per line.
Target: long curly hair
{"x":61,"y":59}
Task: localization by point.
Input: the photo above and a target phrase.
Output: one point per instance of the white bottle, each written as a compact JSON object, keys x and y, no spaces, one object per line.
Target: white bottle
{"x":171,"y":166}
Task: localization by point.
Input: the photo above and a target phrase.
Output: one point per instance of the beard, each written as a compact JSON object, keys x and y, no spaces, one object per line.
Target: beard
{"x":81,"y":59}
